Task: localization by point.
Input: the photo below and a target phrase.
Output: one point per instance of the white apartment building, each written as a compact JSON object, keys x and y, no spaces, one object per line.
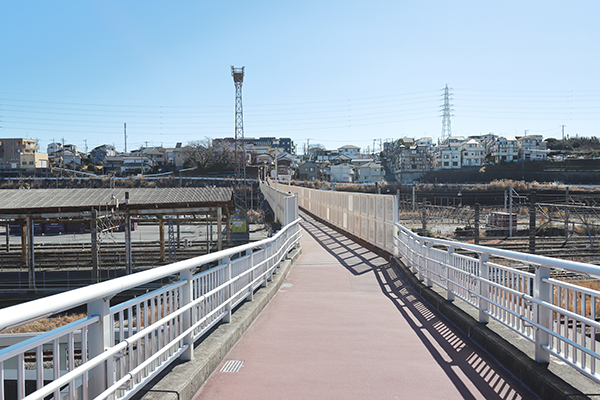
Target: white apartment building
{"x":532,"y":148}
{"x":473,"y":153}
{"x":506,"y":149}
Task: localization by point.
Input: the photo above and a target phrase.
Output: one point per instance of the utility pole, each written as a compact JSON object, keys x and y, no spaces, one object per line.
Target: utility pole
{"x":125,"y":133}
{"x":563,"y":132}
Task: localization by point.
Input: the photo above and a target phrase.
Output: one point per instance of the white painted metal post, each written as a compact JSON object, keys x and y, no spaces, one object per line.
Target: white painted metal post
{"x":99,"y":339}
{"x":484,"y":273}
{"x":541,"y":291}
{"x":219,"y":233}
{"x":250,"y":255}
{"x":228,"y":290}
{"x":428,"y":263}
{"x":187,"y":293}
{"x":450,"y":275}
{"x":265,"y":266}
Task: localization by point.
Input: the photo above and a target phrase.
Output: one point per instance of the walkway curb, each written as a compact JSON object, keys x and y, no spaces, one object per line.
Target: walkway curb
{"x":182,"y":380}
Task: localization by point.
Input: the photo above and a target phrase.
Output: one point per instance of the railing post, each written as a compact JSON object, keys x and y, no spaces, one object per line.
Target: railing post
{"x":228,"y":291}
{"x":484,"y":274}
{"x":450,"y":275}
{"x":542,"y":292}
{"x":187,"y":294}
{"x":250,"y":255}
{"x":265,"y":267}
{"x":99,"y":339}
{"x":422,"y":247}
{"x":428,"y":262}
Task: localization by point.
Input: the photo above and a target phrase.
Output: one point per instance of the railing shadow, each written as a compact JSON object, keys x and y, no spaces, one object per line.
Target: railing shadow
{"x":473,"y":372}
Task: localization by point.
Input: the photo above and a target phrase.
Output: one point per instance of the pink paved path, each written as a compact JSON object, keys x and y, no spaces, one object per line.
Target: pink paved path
{"x":343,"y":326}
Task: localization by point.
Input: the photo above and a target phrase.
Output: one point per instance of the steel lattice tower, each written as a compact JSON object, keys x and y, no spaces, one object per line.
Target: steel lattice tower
{"x":239,"y":145}
{"x":446,"y":109}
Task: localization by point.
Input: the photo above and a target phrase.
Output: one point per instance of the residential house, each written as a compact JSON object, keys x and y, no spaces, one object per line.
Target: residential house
{"x":308,"y":171}
{"x":371,"y":172}
{"x":349,"y":150}
{"x":128,"y":163}
{"x":342,"y":173}
{"x":473,"y":153}
{"x":532,"y":148}
{"x":98,"y":154}
{"x":448,"y":156}
{"x":505,"y":149}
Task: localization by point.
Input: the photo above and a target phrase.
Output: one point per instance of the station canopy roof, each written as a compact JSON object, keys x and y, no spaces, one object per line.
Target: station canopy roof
{"x":57,"y":201}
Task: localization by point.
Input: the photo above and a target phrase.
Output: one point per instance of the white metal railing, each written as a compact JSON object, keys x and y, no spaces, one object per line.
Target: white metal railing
{"x":559,"y":318}
{"x":283,"y":202}
{"x":370,"y":217}
{"x":114,"y":351}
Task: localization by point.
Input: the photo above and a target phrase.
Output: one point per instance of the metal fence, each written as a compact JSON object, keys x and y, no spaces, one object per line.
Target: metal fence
{"x":115,"y":350}
{"x":557,"y":317}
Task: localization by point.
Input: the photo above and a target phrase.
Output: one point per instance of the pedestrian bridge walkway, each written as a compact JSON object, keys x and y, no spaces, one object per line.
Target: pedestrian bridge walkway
{"x":345,"y":325}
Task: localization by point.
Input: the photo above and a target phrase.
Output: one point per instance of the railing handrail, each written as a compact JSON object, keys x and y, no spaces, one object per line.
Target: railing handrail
{"x":574,"y":266}
{"x":21,"y":314}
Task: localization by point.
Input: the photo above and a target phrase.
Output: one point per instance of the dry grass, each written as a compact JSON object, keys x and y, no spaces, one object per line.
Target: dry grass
{"x":46,"y":324}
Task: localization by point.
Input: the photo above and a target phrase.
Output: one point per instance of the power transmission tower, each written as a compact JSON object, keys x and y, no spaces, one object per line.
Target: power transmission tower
{"x":447,"y":113}
{"x":239,"y":145}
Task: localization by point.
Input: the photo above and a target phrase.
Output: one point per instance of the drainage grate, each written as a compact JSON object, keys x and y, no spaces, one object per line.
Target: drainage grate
{"x":232,"y":366}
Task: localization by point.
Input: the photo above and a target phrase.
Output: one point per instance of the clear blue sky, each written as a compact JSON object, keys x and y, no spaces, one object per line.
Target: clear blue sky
{"x":331,"y":72}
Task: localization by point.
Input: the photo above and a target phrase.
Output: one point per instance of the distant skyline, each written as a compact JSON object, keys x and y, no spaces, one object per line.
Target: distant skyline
{"x":329,"y":72}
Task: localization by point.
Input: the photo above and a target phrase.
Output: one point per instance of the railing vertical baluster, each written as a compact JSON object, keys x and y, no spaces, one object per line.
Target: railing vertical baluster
{"x":186,"y":298}
{"x":250,"y":255}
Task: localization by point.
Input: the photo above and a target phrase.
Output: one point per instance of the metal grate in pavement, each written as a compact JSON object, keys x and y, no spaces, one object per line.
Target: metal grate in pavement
{"x":232,"y":366}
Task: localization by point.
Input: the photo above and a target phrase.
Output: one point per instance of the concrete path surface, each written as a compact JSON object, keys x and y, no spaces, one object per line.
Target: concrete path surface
{"x":345,"y":326}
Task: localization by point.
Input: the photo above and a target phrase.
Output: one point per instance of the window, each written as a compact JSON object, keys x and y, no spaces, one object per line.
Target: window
{"x":455,"y":163}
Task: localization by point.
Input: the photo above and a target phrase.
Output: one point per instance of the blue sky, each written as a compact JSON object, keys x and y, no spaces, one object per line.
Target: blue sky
{"x":328,"y":72}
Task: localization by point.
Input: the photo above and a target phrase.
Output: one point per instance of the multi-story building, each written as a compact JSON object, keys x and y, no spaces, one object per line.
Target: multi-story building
{"x":473,"y":153}
{"x":20,"y":153}
{"x":505,"y":149}
{"x":532,"y":148}
{"x":286,"y":144}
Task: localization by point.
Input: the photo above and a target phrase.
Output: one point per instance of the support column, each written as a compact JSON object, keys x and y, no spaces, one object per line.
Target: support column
{"x":30,"y":252}
{"x":95,"y":253}
{"x":128,"y":250}
{"x":23,"y":227}
{"x":228,"y":228}
{"x":161,"y":231}
{"x":7,"y":237}
{"x":219,"y":228}
{"x":476,"y":229}
{"x":532,"y":220}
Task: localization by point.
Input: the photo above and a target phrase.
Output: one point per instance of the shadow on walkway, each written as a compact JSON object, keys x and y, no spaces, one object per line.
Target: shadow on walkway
{"x":469,"y":367}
